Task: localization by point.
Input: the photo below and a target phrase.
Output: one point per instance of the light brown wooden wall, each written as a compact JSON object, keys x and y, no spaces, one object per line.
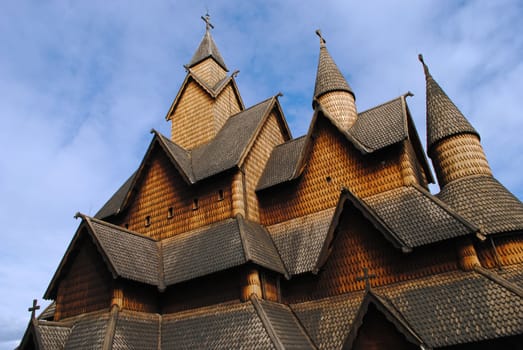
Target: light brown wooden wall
{"x":226,"y":104}
{"x":192,"y":123}
{"x":209,"y":71}
{"x":359,"y":245}
{"x":270,"y":135}
{"x":509,"y":251}
{"x":86,"y":285}
{"x":334,"y":157}
{"x":162,"y":187}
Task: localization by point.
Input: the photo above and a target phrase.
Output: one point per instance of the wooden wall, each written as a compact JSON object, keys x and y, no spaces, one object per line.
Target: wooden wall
{"x":226,"y":104}
{"x":86,"y":285}
{"x":333,"y":163}
{"x":358,"y":245}
{"x":508,"y":251}
{"x":269,"y":136}
{"x":209,"y":71}
{"x":140,"y":297}
{"x":162,"y":188}
{"x":212,"y":289}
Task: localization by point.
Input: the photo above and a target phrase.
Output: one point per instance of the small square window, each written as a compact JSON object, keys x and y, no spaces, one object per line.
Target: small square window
{"x":147,"y":221}
{"x":170,"y":213}
{"x":220,"y":195}
{"x":195,"y":204}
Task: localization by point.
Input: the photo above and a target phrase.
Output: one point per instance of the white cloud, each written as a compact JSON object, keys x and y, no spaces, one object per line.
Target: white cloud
{"x":83,"y":82}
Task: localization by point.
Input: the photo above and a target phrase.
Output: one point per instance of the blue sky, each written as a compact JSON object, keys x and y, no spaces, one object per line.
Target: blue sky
{"x":82,"y":83}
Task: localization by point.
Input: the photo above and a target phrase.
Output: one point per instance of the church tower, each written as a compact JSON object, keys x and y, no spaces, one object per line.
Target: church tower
{"x":207,"y":98}
{"x":453,"y":144}
{"x":332,"y":90}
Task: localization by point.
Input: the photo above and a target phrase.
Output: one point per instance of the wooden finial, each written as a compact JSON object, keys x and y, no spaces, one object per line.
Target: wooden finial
{"x":425,"y":68}
{"x":33,"y":309}
{"x":322,"y":39}
{"x":366,"y":277}
{"x":207,"y":20}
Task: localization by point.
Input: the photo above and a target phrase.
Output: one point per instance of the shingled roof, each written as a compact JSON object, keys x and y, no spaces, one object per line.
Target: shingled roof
{"x":444,"y":119}
{"x":485,"y":202}
{"x":226,"y":151}
{"x":328,"y":76}
{"x":195,"y":253}
{"x":206,"y":49}
{"x":374,"y":129}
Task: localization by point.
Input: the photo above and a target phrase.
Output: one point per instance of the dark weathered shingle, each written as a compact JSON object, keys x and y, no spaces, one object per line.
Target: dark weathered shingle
{"x":280,"y":321}
{"x":202,"y":251}
{"x":513,"y":273}
{"x":259,"y":246}
{"x":328,"y":321}
{"x":48,"y":313}
{"x":328,"y":75}
{"x":207,"y":48}
{"x":283,"y":163}
{"x":115,"y":203}
{"x":228,"y":326}
{"x":136,"y":331}
{"x":457,"y":307}
{"x":217,"y":247}
{"x":133,"y":256}
{"x":444,"y":119}
{"x":381,"y":126}
{"x":485,"y":202}
{"x":226,"y":149}
{"x":52,"y":337}
{"x":88,"y":333}
{"x":417,"y":217}
{"x":300,"y":240}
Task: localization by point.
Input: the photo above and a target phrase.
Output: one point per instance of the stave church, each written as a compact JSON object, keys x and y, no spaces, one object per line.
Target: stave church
{"x":231,"y":233}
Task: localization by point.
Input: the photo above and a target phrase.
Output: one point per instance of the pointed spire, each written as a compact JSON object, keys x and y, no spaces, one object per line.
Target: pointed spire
{"x":207,"y":47}
{"x":328,"y":76}
{"x":444,"y":119}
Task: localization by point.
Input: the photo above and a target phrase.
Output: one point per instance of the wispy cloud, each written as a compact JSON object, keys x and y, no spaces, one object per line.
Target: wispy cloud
{"x":83,"y":82}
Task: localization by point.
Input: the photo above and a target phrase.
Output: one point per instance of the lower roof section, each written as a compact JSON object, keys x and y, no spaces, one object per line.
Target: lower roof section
{"x":437,"y":311}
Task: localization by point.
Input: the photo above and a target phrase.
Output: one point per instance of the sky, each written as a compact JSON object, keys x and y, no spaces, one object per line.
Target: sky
{"x":82,"y":83}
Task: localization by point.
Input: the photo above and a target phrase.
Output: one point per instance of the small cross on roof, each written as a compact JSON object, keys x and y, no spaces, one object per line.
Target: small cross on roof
{"x":207,"y":20}
{"x":366,"y":277}
{"x":34,"y":308}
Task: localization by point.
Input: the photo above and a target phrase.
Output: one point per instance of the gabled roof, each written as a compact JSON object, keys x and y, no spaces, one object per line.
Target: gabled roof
{"x":374,"y":129}
{"x":328,"y":75}
{"x":391,"y":314}
{"x":485,"y":202}
{"x":328,"y":321}
{"x":299,"y":241}
{"x":45,"y":335}
{"x":207,"y":49}
{"x":408,"y":217}
{"x":125,"y":253}
{"x":457,"y":307}
{"x":444,"y":119}
{"x":213,"y":91}
{"x":195,"y":253}
{"x":226,"y":151}
{"x":217,"y":247}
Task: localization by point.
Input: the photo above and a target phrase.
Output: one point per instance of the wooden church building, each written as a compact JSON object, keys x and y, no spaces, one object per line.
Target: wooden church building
{"x":233,"y":234}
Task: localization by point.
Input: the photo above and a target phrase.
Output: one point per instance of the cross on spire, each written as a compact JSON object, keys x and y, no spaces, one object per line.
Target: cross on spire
{"x":207,"y":20}
{"x":322,"y":39}
{"x":366,"y":277}
{"x":33,"y":308}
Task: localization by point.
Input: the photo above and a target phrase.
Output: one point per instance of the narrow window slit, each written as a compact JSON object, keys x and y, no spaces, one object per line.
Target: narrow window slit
{"x":195,"y":204}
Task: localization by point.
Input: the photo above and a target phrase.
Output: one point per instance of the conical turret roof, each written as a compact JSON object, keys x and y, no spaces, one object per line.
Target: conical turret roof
{"x":207,"y":49}
{"x":444,"y":119}
{"x":328,"y":76}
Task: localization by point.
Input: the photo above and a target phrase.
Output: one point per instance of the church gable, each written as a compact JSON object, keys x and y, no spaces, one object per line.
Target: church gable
{"x":86,"y":283}
{"x":162,"y":204}
{"x":332,"y":162}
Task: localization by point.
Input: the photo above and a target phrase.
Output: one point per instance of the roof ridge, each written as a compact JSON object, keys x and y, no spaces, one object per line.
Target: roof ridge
{"x":382,"y":104}
{"x":514,"y":288}
{"x":243,"y":239}
{"x":266,"y":323}
{"x":122,"y":229}
{"x":111,"y":328}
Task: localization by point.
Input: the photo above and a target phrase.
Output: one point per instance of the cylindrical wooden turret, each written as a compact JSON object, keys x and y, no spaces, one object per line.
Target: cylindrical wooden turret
{"x":251,"y":284}
{"x":332,"y":90}
{"x":453,"y":144}
{"x":467,"y":255}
